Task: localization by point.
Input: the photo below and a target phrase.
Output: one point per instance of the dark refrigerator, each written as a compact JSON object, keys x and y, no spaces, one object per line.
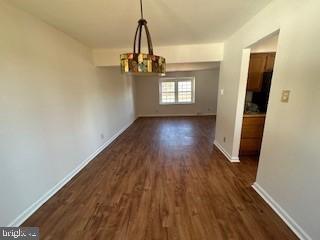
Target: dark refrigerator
{"x":262,"y":98}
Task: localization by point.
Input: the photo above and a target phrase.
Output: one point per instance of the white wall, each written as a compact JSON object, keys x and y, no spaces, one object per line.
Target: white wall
{"x":269,"y":44}
{"x":290,"y":161}
{"x":206,"y":87}
{"x":54,"y":106}
{"x":197,"y":66}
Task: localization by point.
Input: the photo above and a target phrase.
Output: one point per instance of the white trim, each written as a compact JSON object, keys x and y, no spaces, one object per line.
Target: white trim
{"x":292,"y":224}
{"x":245,"y":62}
{"x":225,"y":153}
{"x":37,"y":204}
{"x":178,"y":103}
{"x":177,"y":115}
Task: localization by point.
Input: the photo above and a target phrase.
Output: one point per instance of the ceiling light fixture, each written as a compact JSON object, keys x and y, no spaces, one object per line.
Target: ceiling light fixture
{"x":138,"y":62}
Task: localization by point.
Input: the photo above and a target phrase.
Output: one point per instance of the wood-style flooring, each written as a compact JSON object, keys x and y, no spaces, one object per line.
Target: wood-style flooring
{"x":161,"y":179}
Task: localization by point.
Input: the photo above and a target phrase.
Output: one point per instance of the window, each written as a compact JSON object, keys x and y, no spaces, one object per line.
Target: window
{"x":176,"y":90}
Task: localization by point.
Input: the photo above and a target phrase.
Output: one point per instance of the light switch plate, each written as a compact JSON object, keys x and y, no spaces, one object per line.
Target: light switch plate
{"x":285,"y":96}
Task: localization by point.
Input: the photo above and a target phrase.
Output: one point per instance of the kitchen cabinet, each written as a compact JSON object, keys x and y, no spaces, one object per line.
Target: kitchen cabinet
{"x":251,"y":135}
{"x":259,"y":64}
{"x":270,"y":62}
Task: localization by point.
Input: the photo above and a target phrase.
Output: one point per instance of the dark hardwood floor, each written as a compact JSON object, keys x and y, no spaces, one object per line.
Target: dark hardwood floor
{"x":161,"y":179}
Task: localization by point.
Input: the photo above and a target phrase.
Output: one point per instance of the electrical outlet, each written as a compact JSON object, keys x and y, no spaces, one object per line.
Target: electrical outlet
{"x":222,"y":91}
{"x":285,"y":96}
{"x":224,"y":139}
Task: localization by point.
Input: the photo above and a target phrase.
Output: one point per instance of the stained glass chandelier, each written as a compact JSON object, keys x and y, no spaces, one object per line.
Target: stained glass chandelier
{"x":138,"y":62}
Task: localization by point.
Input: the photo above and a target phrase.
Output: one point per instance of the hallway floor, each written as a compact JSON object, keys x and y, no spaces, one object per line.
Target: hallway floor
{"x":161,"y":179}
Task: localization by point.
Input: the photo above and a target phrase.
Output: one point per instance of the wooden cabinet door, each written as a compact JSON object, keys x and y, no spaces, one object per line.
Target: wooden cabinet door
{"x":270,"y":62}
{"x":256,"y":68}
{"x":251,"y":135}
{"x":250,"y":146}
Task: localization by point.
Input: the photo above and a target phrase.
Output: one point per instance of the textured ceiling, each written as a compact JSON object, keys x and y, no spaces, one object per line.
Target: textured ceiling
{"x":111,"y":24}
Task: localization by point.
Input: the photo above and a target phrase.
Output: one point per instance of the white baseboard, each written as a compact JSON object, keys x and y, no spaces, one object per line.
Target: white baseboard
{"x":36,"y":205}
{"x":176,"y":115}
{"x":225,"y":153}
{"x":292,"y":224}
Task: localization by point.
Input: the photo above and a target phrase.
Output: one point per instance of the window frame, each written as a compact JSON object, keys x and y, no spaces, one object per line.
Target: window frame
{"x":176,"y":81}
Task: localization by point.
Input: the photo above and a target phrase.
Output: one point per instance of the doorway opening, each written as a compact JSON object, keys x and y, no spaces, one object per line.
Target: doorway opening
{"x":261,"y":65}
{"x":257,"y":71}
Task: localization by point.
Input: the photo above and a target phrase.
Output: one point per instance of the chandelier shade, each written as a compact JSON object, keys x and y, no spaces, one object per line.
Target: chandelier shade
{"x":138,"y":62}
{"x":142,"y":63}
